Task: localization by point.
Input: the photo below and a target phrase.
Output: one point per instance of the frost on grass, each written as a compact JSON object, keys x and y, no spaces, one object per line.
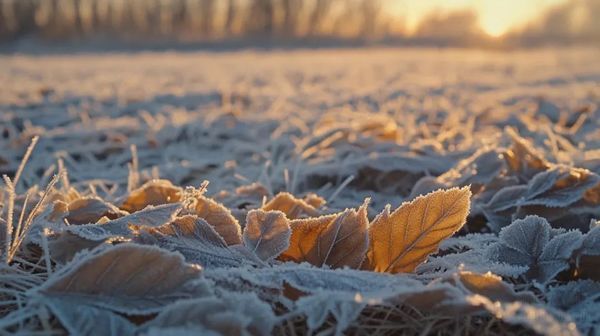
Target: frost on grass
{"x":352,"y":194}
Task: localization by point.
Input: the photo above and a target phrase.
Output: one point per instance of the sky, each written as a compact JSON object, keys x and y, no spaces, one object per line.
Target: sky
{"x":495,"y":16}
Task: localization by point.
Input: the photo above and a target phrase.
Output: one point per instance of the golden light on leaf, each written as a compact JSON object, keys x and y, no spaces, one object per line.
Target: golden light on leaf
{"x":336,"y":240}
{"x":401,"y":240}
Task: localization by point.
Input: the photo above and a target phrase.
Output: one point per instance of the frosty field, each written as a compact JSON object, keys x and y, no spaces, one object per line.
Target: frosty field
{"x":246,"y":192}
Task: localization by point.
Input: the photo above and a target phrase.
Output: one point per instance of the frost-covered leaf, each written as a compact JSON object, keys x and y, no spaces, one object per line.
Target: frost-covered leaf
{"x":230,"y":314}
{"x":570,"y":185}
{"x":128,"y":278}
{"x":289,"y":281}
{"x":81,"y":319}
{"x":588,"y":258}
{"x":310,"y":279}
{"x":591,"y":242}
{"x":537,"y":319}
{"x":580,"y":299}
{"x":485,"y":194}
{"x":573,"y":293}
{"x":492,"y":287}
{"x":318,"y":308}
{"x":470,"y":241}
{"x":292,"y":207}
{"x":90,"y":209}
{"x":267,"y":233}
{"x":542,"y":182}
{"x":559,"y":186}
{"x":471,"y":260}
{"x":522,"y":242}
{"x":526,"y":242}
{"x":442,"y":297}
{"x":334,"y":240}
{"x":403,"y":239}
{"x":467,"y":253}
{"x":195,"y":239}
{"x":246,"y":196}
{"x":557,"y":254}
{"x":154,"y":192}
{"x":314,"y":200}
{"x":151,"y":216}
{"x":506,"y":198}
{"x":220,"y":218}
{"x":63,"y":246}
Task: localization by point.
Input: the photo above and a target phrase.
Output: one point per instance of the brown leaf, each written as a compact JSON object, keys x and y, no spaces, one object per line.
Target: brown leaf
{"x":335,"y":240}
{"x":220,"y":218}
{"x":314,"y":200}
{"x":89,"y":210}
{"x":403,"y":239}
{"x":292,"y":207}
{"x":128,"y":278}
{"x":153,"y":192}
{"x":255,"y":190}
{"x":126,"y":269}
{"x":59,"y":211}
{"x":65,"y":245}
{"x":267,"y":233}
{"x":195,"y":239}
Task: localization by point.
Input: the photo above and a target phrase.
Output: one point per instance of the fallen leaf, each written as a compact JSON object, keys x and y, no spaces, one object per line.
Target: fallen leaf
{"x":80,"y":319}
{"x":195,"y":239}
{"x":292,"y":207}
{"x":89,"y":210}
{"x":334,"y":240}
{"x":220,"y":218}
{"x":153,"y":192}
{"x":231,"y":314}
{"x":151,"y":216}
{"x":127,"y":278}
{"x":267,"y":233}
{"x":403,"y":239}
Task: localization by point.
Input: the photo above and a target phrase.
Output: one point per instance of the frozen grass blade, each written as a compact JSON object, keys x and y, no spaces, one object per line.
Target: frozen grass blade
{"x":28,"y":152}
{"x":34,"y":212}
{"x":9,"y":218}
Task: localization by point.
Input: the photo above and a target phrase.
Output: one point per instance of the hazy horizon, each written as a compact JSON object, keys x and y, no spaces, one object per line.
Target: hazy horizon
{"x":467,"y":23}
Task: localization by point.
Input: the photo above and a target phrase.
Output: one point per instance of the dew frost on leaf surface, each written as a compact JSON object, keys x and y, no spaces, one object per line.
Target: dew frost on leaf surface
{"x":325,"y":192}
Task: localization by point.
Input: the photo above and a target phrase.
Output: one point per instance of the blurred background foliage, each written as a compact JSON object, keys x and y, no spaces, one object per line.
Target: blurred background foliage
{"x":287,"y":21}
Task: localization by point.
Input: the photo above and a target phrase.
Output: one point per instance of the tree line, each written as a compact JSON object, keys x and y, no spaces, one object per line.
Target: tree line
{"x":192,"y":19}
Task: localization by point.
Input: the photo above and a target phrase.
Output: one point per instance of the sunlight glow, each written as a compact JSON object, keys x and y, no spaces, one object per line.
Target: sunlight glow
{"x":496,"y":17}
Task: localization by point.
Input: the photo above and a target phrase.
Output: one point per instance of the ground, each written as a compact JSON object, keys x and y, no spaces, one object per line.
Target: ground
{"x":384,"y":124}
{"x":94,"y":106}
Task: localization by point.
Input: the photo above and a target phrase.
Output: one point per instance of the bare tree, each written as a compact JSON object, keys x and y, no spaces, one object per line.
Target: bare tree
{"x":291,"y":13}
{"x":370,"y":10}
{"x":207,"y":13}
{"x":259,"y":19}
